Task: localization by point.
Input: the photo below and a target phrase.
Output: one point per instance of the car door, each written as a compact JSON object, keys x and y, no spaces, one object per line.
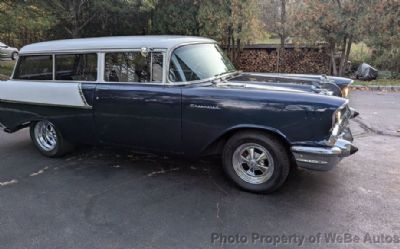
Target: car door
{"x":133,"y":107}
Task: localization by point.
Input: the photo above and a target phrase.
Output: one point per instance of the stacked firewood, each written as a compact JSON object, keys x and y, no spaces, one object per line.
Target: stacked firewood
{"x":288,"y":61}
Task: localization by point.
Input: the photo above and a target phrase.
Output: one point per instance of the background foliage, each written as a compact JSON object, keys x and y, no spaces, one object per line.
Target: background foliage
{"x":338,"y":23}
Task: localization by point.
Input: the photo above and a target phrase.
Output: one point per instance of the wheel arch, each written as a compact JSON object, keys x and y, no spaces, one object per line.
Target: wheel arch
{"x":218,"y":144}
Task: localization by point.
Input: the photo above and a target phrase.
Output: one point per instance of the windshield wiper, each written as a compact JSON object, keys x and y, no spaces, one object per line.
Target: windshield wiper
{"x":225,"y":73}
{"x":219,"y":78}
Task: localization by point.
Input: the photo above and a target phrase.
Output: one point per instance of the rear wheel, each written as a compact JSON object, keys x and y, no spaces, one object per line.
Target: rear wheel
{"x":256,"y":161}
{"x":48,"y":139}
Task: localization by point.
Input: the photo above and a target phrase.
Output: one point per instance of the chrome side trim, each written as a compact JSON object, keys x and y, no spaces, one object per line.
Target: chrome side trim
{"x":82,"y":95}
{"x":44,"y":104}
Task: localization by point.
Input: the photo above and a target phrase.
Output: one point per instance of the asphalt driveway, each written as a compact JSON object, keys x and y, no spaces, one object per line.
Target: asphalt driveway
{"x":108,"y":198}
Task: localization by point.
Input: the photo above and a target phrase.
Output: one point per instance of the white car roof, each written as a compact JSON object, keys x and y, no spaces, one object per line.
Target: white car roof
{"x":113,"y":42}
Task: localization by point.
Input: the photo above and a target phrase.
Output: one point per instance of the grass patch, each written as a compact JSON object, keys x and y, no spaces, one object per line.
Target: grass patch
{"x":360,"y":52}
{"x":6,"y":69}
{"x":382,"y":82}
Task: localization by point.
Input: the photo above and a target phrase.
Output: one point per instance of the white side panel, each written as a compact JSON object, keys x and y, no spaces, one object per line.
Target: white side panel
{"x":45,"y":93}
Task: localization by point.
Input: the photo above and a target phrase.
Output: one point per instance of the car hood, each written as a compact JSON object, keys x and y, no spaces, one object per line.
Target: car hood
{"x":255,"y":86}
{"x":283,"y":82}
{"x":339,"y":81}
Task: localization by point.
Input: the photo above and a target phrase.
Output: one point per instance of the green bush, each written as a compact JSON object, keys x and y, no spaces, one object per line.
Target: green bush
{"x":6,"y":69}
{"x":389,"y":61}
{"x":359,"y":54}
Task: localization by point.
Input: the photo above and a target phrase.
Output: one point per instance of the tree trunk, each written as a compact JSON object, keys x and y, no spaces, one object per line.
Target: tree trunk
{"x":350,"y":43}
{"x":346,"y":48}
{"x":343,"y":56}
{"x":233,"y":47}
{"x":281,"y":52}
{"x":238,"y":49}
{"x":278,"y":59}
{"x":283,"y":23}
{"x":333,"y":61}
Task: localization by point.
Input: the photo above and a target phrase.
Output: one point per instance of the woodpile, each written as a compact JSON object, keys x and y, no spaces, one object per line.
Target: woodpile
{"x":290,"y":61}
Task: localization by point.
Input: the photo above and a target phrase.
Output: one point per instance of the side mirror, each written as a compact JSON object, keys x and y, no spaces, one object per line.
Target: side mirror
{"x":144,"y":52}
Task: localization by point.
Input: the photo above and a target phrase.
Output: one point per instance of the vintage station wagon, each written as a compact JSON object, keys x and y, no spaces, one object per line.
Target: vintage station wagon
{"x":172,"y":94}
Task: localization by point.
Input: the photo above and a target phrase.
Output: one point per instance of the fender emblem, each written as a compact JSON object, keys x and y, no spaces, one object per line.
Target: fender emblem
{"x":210,"y":107}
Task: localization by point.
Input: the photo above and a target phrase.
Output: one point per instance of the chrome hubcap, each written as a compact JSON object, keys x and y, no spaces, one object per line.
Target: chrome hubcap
{"x":46,"y":135}
{"x":253,"y":163}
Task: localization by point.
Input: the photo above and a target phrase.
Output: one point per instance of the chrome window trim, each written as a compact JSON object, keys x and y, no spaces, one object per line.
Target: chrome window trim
{"x":161,"y":50}
{"x":54,"y":68}
{"x":100,"y":66}
{"x":75,"y":81}
{"x":171,"y":51}
{"x":18,"y":61}
{"x":57,"y":81}
{"x":62,"y":53}
{"x":85,"y":51}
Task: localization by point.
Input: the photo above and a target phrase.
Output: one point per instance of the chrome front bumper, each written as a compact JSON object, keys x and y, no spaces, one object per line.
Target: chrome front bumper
{"x":325,"y":158}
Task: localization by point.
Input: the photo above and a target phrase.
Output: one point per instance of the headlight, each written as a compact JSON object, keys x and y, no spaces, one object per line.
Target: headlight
{"x":345,"y":92}
{"x":338,"y":117}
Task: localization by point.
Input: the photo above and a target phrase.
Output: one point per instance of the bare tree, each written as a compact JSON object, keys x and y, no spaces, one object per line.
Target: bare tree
{"x":73,"y":15}
{"x":275,"y":19}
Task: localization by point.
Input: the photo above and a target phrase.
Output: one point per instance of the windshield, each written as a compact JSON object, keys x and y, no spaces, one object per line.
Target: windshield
{"x":198,"y":62}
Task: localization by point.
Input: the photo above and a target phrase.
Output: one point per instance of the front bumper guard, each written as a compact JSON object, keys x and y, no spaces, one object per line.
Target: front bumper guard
{"x":324,"y":158}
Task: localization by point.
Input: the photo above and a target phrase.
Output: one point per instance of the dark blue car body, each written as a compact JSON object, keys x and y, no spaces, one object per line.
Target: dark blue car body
{"x":192,"y":119}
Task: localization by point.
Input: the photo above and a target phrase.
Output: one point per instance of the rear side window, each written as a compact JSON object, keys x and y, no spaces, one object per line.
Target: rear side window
{"x":76,"y":67}
{"x":37,"y":67}
{"x":134,"y":67}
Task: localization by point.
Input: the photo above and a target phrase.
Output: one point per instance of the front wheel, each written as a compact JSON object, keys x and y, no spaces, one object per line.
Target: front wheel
{"x":256,"y":161}
{"x":48,"y":139}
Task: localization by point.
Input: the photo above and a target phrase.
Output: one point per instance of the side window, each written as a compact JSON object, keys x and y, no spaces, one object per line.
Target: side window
{"x":133,"y":67}
{"x":36,"y":67}
{"x":76,"y":67}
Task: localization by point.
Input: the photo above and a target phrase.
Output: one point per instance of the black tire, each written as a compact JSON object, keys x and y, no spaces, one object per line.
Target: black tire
{"x":14,"y":56}
{"x":61,"y":147}
{"x":277,"y":151}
